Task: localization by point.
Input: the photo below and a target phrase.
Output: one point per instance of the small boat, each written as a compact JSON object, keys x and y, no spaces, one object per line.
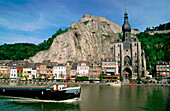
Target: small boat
{"x":115,"y":84}
{"x":52,"y":92}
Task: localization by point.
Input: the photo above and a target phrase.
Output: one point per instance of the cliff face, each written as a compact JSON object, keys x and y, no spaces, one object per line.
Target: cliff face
{"x":90,"y":38}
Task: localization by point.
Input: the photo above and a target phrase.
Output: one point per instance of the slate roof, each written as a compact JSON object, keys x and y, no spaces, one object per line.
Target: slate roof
{"x":74,"y":67}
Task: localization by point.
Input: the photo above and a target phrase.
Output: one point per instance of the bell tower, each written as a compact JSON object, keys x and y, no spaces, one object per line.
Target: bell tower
{"x":126,"y":28}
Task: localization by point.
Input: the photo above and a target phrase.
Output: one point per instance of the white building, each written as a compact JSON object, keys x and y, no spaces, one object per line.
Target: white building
{"x":83,"y":68}
{"x":33,"y":72}
{"x":59,"y":71}
{"x":13,"y":72}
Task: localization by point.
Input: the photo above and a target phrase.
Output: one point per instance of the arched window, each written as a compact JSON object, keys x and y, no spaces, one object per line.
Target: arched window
{"x":134,"y":39}
{"x":127,"y":60}
{"x":135,"y":70}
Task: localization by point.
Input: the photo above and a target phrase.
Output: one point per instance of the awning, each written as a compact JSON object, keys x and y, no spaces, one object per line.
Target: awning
{"x":116,"y":75}
{"x":111,"y":75}
{"x":82,"y":76}
{"x":160,"y":74}
{"x":109,"y":70}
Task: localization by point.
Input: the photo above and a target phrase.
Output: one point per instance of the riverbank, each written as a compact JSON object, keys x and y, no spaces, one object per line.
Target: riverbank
{"x":45,"y":84}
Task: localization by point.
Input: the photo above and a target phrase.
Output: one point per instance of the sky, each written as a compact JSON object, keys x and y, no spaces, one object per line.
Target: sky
{"x":33,"y":21}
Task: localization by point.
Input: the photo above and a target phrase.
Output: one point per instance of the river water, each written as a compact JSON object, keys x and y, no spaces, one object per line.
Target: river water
{"x":99,"y":98}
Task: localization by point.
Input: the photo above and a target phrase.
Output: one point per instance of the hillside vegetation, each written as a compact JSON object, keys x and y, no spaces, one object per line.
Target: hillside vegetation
{"x":161,"y":27}
{"x":21,"y":51}
{"x":157,"y":48}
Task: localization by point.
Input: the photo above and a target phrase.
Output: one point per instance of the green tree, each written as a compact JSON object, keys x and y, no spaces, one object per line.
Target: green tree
{"x":62,"y":75}
{"x":121,"y":78}
{"x":101,"y":76}
{"x":120,"y":36}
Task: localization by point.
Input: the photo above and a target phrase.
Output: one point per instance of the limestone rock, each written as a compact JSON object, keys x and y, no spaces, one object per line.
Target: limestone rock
{"x":89,"y":39}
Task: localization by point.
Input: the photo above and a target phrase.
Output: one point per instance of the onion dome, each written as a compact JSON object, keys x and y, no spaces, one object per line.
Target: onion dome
{"x":126,"y":26}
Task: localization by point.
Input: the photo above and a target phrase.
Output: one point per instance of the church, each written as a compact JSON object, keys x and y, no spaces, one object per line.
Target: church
{"x":128,"y":53}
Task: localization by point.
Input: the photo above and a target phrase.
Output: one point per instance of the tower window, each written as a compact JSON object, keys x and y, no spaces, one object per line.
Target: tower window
{"x":135,"y":44}
{"x":134,"y":39}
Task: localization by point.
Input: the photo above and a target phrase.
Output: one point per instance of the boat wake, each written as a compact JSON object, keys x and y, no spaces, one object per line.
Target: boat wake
{"x":30,"y":100}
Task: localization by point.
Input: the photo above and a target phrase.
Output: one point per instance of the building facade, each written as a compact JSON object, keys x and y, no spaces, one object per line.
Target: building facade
{"x":73,"y":71}
{"x":83,"y":69}
{"x":128,"y":53}
{"x":5,"y":68}
{"x":95,"y":70}
{"x":110,"y":69}
{"x":13,"y":72}
{"x":59,"y":71}
{"x":162,"y":70}
{"x":69,"y":65}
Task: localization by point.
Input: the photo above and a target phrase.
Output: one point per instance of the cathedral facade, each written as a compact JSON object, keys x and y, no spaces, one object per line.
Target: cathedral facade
{"x":128,"y":53}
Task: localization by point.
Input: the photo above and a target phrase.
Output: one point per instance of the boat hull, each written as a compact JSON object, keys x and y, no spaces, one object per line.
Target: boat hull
{"x":40,"y":93}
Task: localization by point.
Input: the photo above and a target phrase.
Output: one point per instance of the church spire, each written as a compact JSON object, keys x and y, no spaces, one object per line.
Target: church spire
{"x":126,"y":25}
{"x":126,"y":28}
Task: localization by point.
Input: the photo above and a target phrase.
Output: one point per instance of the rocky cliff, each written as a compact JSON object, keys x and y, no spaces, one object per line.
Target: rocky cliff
{"x":91,"y":38}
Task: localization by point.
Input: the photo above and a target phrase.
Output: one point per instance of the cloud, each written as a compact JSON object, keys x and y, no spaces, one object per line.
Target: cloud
{"x":34,"y":16}
{"x":14,"y":38}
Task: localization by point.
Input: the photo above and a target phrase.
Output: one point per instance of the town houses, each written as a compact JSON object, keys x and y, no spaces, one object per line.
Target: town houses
{"x":23,"y":70}
{"x":105,"y":69}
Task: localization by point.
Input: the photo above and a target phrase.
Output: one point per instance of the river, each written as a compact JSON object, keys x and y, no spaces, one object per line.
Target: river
{"x":99,"y":98}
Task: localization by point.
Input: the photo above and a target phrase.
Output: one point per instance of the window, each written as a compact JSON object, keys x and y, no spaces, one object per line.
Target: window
{"x":134,"y":39}
{"x":135,"y":70}
{"x":127,"y":60}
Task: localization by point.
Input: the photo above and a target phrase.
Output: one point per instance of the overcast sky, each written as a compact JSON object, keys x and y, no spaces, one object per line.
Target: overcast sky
{"x":34,"y":21}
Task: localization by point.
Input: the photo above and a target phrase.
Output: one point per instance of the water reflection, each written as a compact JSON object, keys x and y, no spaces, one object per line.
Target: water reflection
{"x":103,"y":98}
{"x":125,"y":98}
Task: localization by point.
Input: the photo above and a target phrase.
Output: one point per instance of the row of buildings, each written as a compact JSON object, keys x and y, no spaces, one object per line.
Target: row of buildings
{"x":92,"y":70}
